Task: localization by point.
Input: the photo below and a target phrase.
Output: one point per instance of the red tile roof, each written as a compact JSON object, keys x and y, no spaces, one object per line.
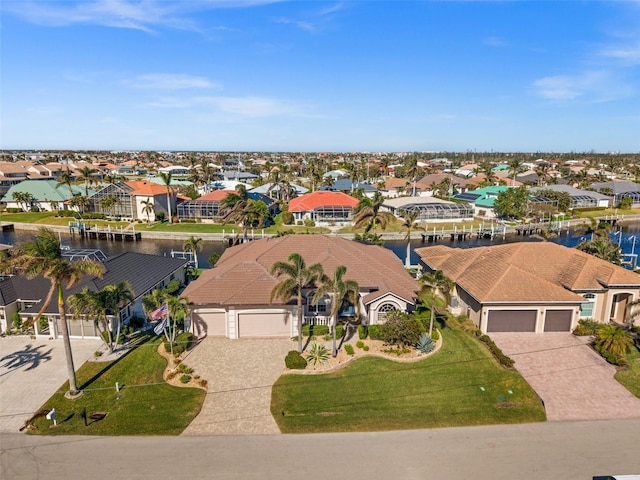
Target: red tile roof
{"x":321,"y":198}
{"x":217,"y":195}
{"x":241,"y":276}
{"x":142,"y":187}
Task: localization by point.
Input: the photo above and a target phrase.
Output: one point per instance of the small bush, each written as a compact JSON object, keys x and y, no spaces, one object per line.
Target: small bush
{"x":295,"y":361}
{"x":203,"y":383}
{"x":362,"y":332}
{"x":287,"y":218}
{"x":497,"y":353}
{"x":314,"y":330}
{"x":185,"y":378}
{"x":366,"y":348}
{"x":360,"y":344}
{"x":318,"y":354}
{"x":435,"y":336}
{"x":586,"y":326}
{"x":97,"y":353}
{"x":401,"y":329}
{"x":339,"y":331}
{"x":374,"y":332}
{"x":348,"y":348}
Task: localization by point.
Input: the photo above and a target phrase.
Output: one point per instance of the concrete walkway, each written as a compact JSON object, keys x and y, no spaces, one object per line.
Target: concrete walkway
{"x":240,"y":374}
{"x":31,"y":371}
{"x":574,"y":382}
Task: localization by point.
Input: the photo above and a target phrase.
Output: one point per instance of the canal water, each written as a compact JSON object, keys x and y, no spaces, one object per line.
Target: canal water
{"x":628,"y":238}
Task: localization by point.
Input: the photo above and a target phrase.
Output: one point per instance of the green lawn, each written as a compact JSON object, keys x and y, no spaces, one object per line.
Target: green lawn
{"x":49,"y":218}
{"x":631,"y":378}
{"x":461,"y":385}
{"x":145,"y":405}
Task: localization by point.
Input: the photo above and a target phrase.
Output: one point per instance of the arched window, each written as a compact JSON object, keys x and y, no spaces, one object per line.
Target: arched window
{"x":587,"y":307}
{"x":384,"y":309}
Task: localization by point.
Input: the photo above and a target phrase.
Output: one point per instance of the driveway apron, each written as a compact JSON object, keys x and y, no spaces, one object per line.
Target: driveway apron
{"x":239,"y":374}
{"x":574,"y":382}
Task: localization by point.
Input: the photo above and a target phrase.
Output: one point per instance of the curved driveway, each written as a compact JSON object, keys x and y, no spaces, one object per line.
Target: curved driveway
{"x":574,"y":382}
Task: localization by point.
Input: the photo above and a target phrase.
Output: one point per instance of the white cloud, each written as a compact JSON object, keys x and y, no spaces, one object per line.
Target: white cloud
{"x":169,"y":81}
{"x":303,"y":25}
{"x":138,"y":15}
{"x":250,"y":106}
{"x":628,"y":54}
{"x":597,"y":86}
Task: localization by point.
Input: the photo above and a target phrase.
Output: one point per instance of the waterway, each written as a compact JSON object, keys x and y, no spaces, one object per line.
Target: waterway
{"x":628,"y":238}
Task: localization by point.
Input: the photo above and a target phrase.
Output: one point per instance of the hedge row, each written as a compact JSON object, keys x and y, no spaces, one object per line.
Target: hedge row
{"x":495,"y":350}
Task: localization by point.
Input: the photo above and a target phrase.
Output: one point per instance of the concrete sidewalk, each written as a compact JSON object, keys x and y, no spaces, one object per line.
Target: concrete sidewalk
{"x":31,"y":371}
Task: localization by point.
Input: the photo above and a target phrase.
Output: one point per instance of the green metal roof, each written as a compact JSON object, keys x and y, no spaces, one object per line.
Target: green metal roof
{"x":45,"y":190}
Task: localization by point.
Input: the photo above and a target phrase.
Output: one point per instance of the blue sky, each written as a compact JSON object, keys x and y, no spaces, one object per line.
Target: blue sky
{"x":320,"y":76}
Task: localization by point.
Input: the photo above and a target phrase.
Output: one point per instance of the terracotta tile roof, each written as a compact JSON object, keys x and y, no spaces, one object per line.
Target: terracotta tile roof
{"x":241,"y":276}
{"x":142,"y":187}
{"x":321,"y":198}
{"x":217,"y":195}
{"x":526,"y":271}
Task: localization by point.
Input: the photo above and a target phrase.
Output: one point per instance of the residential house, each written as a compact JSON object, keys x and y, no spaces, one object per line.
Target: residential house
{"x":209,"y":206}
{"x":49,"y":195}
{"x":482,"y":199}
{"x":19,"y":294}
{"x":347,"y":186}
{"x":323,"y":207}
{"x":131,"y":200}
{"x":234,"y":298}
{"x":533,"y":286}
{"x":429,"y":209}
{"x":11,"y":174}
{"x":579,"y":198}
{"x":620,"y":189}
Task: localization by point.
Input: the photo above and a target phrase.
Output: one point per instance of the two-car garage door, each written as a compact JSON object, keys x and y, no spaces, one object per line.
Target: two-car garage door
{"x":525,"y":320}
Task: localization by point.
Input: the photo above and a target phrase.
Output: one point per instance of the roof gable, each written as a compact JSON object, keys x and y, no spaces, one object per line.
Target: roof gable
{"x":321,"y":198}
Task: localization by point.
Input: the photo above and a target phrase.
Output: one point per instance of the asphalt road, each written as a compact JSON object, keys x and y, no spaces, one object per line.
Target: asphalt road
{"x":552,"y":450}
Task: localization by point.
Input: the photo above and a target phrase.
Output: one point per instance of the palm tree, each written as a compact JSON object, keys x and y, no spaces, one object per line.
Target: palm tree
{"x":234,"y":205}
{"x":341,"y":292}
{"x":514,"y":168}
{"x":611,"y":338}
{"x":166,"y":179}
{"x":24,"y":199}
{"x":147,"y":208}
{"x":118,"y":296}
{"x":86,"y":177}
{"x":296,"y":277}
{"x":65,"y":178}
{"x":368,"y":213}
{"x":109,"y":203}
{"x":80,"y":201}
{"x":90,"y":304}
{"x":43,"y":257}
{"x":413,"y":170}
{"x":409,"y":222}
{"x":193,"y":244}
{"x":436,"y":284}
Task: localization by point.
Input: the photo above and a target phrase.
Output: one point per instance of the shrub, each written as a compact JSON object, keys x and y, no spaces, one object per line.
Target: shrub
{"x":287,"y":218}
{"x":203,"y":383}
{"x":295,"y":361}
{"x":401,"y":329}
{"x":366,"y":348}
{"x":374,"y":332}
{"x":172,"y":287}
{"x":586,"y":326}
{"x":160,"y":216}
{"x":97,"y":353}
{"x":425,"y":344}
{"x":314,"y":330}
{"x":435,"y":336}
{"x":362,"y":332}
{"x":497,"y":353}
{"x":318,"y":354}
{"x":360,"y":344}
{"x":309,"y":222}
{"x":348,"y":348}
{"x":185,"y":378}
{"x":339,"y":331}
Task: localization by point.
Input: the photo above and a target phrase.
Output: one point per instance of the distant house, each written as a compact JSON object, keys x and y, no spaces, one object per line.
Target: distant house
{"x":276,"y":190}
{"x":175,"y":170}
{"x":245,"y":177}
{"x":533,"y":286}
{"x":482,"y":199}
{"x":347,"y":186}
{"x":209,"y":206}
{"x":620,"y":189}
{"x":49,"y":195}
{"x":579,"y":198}
{"x":324,"y":207}
{"x":233,"y":299}
{"x":24,"y":296}
{"x":11,"y":174}
{"x":131,"y":199}
{"x":429,"y":209}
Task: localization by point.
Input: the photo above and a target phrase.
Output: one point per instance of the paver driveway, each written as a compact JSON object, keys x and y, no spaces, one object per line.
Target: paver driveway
{"x":574,"y":382}
{"x":240,"y":374}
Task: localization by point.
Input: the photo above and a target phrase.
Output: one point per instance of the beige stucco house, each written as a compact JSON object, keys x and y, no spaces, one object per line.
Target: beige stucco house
{"x":233,"y":299}
{"x":533,"y":287}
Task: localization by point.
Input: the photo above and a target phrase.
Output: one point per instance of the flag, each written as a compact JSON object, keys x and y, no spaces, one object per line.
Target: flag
{"x":158,"y":313}
{"x":160,"y":326}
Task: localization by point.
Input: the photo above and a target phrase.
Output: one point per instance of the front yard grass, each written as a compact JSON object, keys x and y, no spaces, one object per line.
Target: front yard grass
{"x":630,"y":378}
{"x":461,"y":385}
{"x":145,"y":405}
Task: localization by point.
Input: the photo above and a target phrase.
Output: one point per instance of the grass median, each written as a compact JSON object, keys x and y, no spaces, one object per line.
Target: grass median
{"x":461,"y":385}
{"x":145,"y":404}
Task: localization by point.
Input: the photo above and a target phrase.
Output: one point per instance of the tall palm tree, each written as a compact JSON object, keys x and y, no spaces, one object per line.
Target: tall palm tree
{"x":90,"y":304}
{"x":147,"y":208}
{"x":234,"y":205}
{"x":413,"y":171}
{"x":368,"y":213}
{"x":193,"y":244}
{"x":436,"y":284}
{"x":409,"y":223}
{"x":109,"y":203}
{"x":43,"y":257}
{"x":117,"y":297}
{"x":515,"y":164}
{"x":296,"y":277}
{"x":86,"y":176}
{"x":341,"y":292}
{"x":65,"y":178}
{"x":166,"y":179}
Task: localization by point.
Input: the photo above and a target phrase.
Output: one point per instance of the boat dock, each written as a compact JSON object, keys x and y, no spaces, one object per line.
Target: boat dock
{"x":84,"y":230}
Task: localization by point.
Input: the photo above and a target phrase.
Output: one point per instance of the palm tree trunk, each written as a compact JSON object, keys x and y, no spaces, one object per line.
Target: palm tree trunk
{"x":334,"y":352}
{"x":71,"y":371}
{"x":433,"y":306}
{"x":299,"y":323}
{"x":407,"y":261}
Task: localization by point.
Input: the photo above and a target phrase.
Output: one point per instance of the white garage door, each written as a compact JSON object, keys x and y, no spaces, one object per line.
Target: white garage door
{"x":512,"y":321}
{"x":264,"y":325}
{"x":210,"y":323}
